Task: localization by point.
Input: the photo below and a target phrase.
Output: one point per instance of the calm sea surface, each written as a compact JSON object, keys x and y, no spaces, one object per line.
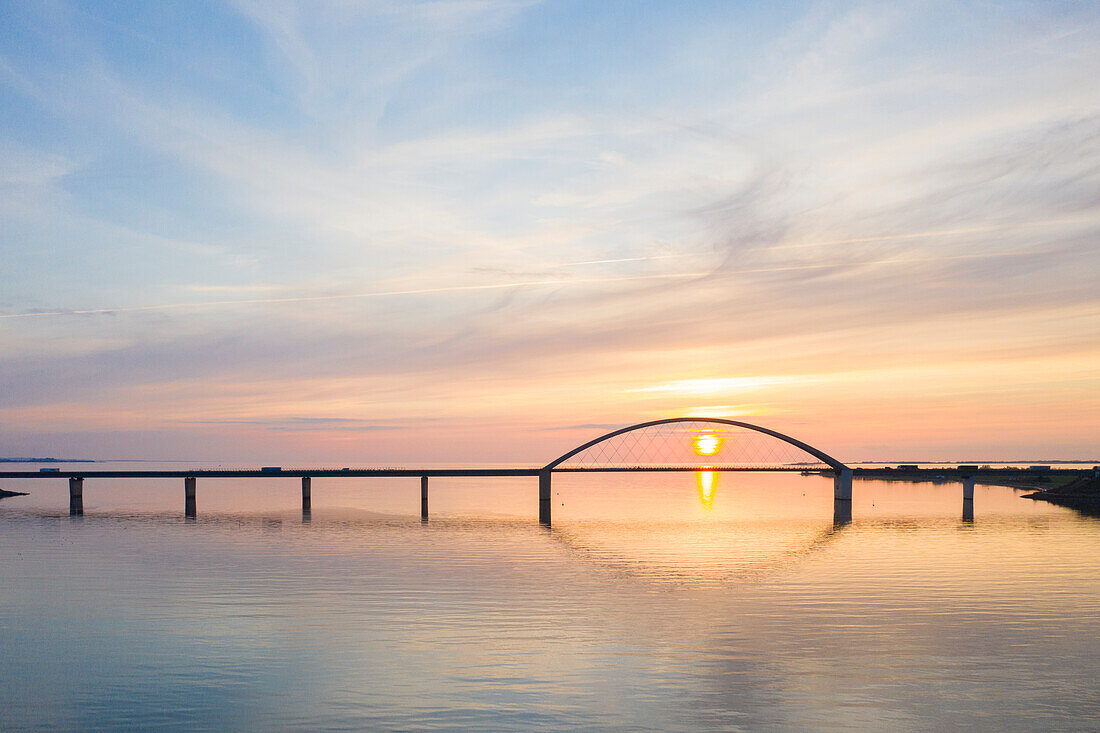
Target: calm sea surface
{"x":656,"y":601}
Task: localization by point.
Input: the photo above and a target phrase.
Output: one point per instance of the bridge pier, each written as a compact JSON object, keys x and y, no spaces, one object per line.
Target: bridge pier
{"x":423,"y":498}
{"x":189,"y":497}
{"x":306,"y":493}
{"x":842,"y":512}
{"x":842,"y":484}
{"x":544,"y":497}
{"x":968,"y":499}
{"x":76,"y":496}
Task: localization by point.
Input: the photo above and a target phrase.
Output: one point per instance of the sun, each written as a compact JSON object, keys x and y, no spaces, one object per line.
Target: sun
{"x":707,"y":444}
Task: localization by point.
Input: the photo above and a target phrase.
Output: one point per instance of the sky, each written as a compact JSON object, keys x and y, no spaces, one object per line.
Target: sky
{"x":394,"y":231}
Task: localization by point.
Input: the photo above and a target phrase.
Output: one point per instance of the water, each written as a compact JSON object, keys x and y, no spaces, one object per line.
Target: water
{"x":657,"y":601}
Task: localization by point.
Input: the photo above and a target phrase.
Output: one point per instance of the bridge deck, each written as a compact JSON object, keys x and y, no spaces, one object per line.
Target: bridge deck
{"x":372,"y":472}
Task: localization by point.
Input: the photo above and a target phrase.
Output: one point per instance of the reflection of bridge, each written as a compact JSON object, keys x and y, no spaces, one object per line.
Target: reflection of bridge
{"x":673,"y":444}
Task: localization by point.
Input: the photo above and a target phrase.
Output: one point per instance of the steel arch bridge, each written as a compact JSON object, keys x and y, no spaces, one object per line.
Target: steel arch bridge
{"x":671,"y":444}
{"x":693,"y":444}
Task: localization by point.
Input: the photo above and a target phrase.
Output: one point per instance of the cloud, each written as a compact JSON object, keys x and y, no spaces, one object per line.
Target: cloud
{"x":584,"y":426}
{"x":300,"y":424}
{"x":716,"y":385}
{"x":345,"y":296}
{"x":367,"y":185}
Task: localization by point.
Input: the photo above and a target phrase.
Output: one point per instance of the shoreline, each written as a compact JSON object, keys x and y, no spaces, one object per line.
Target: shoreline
{"x":1074,"y":488}
{"x":1015,"y":478}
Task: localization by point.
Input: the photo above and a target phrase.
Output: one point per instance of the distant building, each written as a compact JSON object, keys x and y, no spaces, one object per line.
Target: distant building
{"x":907,"y":467}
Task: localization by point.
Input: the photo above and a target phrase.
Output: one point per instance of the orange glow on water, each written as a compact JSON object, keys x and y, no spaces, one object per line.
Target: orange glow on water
{"x":707,"y":444}
{"x":708,"y":486}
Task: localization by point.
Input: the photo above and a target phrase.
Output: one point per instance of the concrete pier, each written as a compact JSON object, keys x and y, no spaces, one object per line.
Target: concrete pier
{"x":842,"y":484}
{"x":968,"y":488}
{"x":189,"y":497}
{"x":423,"y":498}
{"x":842,"y":512}
{"x":544,"y":497}
{"x":76,"y":496}
{"x":307,"y":496}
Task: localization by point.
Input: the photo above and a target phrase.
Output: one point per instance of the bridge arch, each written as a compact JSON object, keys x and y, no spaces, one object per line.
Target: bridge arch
{"x":842,"y":475}
{"x":818,"y":454}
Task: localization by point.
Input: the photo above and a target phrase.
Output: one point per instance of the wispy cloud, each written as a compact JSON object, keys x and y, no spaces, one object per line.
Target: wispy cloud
{"x":433,"y":186}
{"x":717,"y":385}
{"x":300,"y":424}
{"x":346,"y":296}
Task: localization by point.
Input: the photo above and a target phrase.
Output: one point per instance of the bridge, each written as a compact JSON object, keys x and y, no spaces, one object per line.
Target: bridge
{"x":671,"y":444}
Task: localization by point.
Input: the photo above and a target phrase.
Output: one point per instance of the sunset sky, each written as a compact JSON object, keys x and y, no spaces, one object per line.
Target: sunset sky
{"x":488,"y":230}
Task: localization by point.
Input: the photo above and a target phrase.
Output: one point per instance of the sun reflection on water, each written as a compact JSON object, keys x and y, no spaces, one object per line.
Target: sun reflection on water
{"x":708,"y":487}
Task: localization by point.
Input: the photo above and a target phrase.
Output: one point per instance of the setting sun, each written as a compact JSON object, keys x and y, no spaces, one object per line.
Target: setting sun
{"x":707,"y":444}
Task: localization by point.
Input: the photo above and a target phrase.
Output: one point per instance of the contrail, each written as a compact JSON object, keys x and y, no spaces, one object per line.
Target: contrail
{"x":348,"y":296}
